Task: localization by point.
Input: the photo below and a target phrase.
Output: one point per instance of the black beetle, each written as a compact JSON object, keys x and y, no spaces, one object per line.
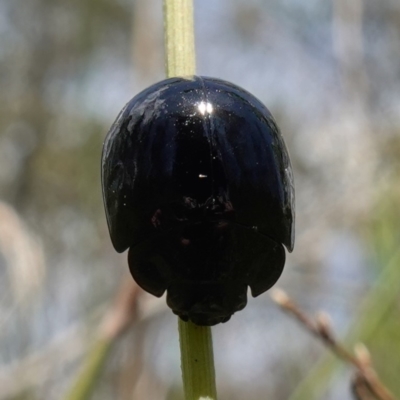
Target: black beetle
{"x":197,"y":183}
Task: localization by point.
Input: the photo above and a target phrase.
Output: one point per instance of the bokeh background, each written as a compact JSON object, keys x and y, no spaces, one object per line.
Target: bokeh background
{"x":330,"y":73}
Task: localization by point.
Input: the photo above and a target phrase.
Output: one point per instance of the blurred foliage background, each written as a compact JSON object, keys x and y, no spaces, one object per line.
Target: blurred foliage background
{"x":330,"y":73}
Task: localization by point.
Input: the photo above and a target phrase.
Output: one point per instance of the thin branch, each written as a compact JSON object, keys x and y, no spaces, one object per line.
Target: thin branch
{"x":320,"y":327}
{"x":361,"y":389}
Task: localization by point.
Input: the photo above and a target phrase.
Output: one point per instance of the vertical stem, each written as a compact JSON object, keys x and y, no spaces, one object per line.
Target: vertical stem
{"x":197,"y":359}
{"x":180,"y":56}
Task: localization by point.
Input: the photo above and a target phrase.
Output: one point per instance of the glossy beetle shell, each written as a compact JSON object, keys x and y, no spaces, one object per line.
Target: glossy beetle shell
{"x":197,"y":183}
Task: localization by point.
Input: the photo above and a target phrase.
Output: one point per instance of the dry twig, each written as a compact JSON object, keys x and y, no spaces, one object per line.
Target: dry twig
{"x":366,"y":383}
{"x":360,"y":388}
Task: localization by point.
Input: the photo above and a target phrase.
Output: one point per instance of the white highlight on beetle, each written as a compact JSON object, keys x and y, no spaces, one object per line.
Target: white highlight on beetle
{"x":202,"y":176}
{"x":205,"y":107}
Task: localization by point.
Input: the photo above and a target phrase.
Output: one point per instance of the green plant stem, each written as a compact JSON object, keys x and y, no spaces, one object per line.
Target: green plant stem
{"x":114,"y":323}
{"x":197,"y":359}
{"x":180,"y":59}
{"x":83,"y":387}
